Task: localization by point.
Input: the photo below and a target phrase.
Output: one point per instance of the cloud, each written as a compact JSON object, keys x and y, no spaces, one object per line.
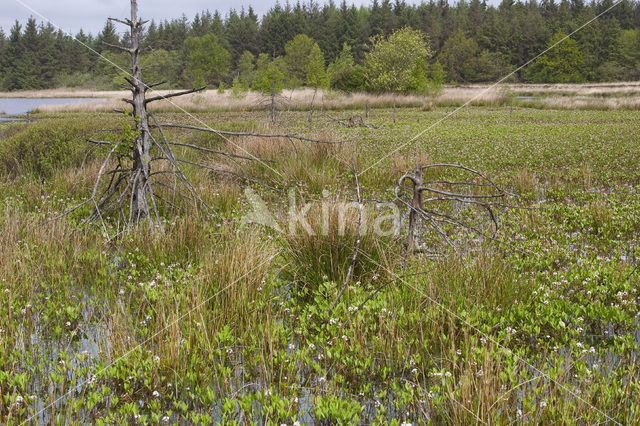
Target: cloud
{"x":90,"y":15}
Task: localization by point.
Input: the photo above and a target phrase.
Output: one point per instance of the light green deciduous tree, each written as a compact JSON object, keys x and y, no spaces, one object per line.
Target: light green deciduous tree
{"x":207,"y":61}
{"x":399,"y":63}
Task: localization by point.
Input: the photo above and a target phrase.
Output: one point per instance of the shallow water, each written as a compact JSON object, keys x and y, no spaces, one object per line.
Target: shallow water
{"x":11,"y":107}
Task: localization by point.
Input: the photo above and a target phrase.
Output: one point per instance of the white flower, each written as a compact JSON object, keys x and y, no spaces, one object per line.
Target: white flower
{"x":312,"y":346}
{"x":156,"y":358}
{"x":156,"y":394}
{"x":165,"y":419}
{"x":543,"y":404}
{"x":447,"y":374}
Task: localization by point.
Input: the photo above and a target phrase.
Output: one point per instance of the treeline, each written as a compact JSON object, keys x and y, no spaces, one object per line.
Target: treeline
{"x":343,"y":46}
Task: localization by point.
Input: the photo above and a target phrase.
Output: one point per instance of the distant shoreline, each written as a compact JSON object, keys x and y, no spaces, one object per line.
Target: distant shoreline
{"x":568,"y":88}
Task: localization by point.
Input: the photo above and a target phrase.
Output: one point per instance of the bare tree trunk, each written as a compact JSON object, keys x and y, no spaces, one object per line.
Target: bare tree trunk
{"x":142,"y":144}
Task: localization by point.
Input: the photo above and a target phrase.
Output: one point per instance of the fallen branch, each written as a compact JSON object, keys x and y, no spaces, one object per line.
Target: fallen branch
{"x":261,"y":135}
{"x":215,"y":151}
{"x":435,"y":218}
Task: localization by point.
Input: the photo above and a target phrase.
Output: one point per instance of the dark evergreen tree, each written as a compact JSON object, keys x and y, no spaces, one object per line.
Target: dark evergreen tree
{"x":107,"y":35}
{"x":502,"y":37}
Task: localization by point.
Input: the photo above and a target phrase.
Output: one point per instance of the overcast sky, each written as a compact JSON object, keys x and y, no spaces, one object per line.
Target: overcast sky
{"x":90,"y":15}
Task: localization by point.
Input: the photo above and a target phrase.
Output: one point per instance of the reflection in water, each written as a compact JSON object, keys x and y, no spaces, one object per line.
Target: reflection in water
{"x":10,"y":108}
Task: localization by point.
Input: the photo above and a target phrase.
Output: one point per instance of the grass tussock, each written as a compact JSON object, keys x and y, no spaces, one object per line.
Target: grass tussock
{"x":43,"y":147}
{"x":323,"y":250}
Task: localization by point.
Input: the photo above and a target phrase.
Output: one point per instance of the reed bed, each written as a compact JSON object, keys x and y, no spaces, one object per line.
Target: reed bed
{"x":624,"y":95}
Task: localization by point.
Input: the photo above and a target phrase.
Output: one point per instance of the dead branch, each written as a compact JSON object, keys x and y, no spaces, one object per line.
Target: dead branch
{"x":465,"y":194}
{"x":126,"y":22}
{"x":173,"y":95}
{"x":160,"y":83}
{"x":95,"y":186}
{"x":169,"y":154}
{"x":118,"y":47}
{"x":215,"y":151}
{"x":261,"y":135}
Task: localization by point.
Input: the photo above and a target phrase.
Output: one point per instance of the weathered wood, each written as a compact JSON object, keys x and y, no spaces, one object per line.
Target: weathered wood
{"x":261,"y":135}
{"x":416,"y":205}
{"x":173,"y":95}
{"x":142,"y":144}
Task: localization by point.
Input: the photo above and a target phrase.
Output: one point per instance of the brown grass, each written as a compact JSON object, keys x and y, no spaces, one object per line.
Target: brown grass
{"x":591,"y":103}
{"x":612,"y":96}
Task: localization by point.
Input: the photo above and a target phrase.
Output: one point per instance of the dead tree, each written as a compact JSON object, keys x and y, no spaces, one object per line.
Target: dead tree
{"x":449,"y":200}
{"x":130,"y":190}
{"x":141,"y":196}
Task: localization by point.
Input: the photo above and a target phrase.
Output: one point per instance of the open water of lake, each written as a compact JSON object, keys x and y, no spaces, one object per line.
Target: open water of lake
{"x":12,"y":107}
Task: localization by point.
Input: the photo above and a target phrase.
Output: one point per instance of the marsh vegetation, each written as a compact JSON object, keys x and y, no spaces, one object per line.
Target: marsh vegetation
{"x":216,"y":320}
